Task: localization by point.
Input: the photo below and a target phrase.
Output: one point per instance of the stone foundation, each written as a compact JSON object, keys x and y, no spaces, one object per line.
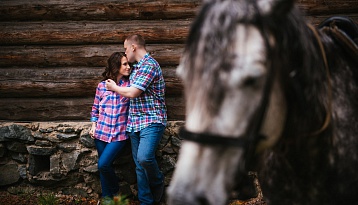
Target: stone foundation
{"x":60,"y":156}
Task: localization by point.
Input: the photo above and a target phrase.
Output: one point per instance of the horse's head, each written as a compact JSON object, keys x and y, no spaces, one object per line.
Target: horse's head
{"x":232,"y":92}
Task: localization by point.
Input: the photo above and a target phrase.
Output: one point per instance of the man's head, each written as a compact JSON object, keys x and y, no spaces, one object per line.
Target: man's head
{"x":134,"y":46}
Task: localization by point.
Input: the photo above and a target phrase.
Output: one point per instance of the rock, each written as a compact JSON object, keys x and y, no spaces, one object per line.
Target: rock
{"x":86,"y":140}
{"x":91,"y":169}
{"x":22,"y":133}
{"x":46,"y":130}
{"x":75,"y":191}
{"x":164,"y":141}
{"x":22,"y":171}
{"x":4,"y":134}
{"x":66,"y":137}
{"x":67,"y":147}
{"x":9,"y":174}
{"x":47,"y":137}
{"x":2,"y":150}
{"x":36,"y":150}
{"x":16,"y":146}
{"x":167,"y":164}
{"x":43,"y":143}
{"x":69,"y":160}
{"x":55,"y":165}
{"x":168,"y":149}
{"x":65,"y":130}
{"x":19,"y":157}
{"x":64,"y":155}
{"x":34,"y":126}
{"x":176,"y":141}
{"x":45,"y":179}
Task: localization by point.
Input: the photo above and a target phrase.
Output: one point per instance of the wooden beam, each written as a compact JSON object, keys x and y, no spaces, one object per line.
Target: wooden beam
{"x":85,"y":55}
{"x":63,"y":10}
{"x":54,"y":109}
{"x":77,"y":33}
{"x":108,"y":10}
{"x":64,"y":82}
{"x":328,"y":7}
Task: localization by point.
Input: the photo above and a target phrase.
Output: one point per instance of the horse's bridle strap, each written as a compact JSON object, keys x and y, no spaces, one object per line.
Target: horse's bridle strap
{"x":210,"y":139}
{"x":329,"y":84}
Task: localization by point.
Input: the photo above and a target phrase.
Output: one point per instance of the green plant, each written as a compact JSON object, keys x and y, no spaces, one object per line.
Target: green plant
{"x":77,"y":201}
{"x":47,"y":199}
{"x":116,"y":200}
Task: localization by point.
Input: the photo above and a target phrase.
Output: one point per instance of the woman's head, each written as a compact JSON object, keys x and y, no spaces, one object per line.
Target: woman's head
{"x":117,"y":67}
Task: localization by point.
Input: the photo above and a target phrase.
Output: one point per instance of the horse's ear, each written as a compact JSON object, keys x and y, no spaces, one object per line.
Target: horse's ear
{"x":281,"y":8}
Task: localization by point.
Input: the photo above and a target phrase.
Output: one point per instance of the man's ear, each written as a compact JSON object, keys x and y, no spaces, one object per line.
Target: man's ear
{"x":133,"y":47}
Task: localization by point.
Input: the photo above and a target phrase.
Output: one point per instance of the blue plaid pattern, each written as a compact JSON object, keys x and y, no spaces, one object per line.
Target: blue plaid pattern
{"x":150,"y":106}
{"x":110,"y":111}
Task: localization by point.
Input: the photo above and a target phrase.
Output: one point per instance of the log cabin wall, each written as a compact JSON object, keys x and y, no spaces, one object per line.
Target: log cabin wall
{"x":52,"y":53}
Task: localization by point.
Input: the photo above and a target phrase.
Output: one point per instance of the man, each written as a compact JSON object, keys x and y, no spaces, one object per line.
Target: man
{"x":147,"y":117}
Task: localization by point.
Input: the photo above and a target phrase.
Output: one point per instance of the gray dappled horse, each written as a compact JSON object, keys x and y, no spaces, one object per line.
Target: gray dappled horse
{"x":267,"y":92}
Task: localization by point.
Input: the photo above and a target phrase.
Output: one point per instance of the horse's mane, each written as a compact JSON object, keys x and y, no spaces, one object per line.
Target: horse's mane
{"x":304,"y":153}
{"x":209,"y":49}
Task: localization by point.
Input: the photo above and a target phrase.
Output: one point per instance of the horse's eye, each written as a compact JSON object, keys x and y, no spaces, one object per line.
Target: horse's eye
{"x":250,"y":81}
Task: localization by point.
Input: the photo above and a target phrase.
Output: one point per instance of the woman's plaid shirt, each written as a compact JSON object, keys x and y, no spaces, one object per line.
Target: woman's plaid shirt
{"x":149,"y":107}
{"x":110,"y":111}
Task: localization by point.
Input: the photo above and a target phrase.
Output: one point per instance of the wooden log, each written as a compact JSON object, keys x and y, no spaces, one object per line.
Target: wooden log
{"x":78,"y":33}
{"x":328,"y":7}
{"x":63,"y":10}
{"x":54,"y":109}
{"x":64,"y":82}
{"x":86,"y":55}
{"x":114,"y":32}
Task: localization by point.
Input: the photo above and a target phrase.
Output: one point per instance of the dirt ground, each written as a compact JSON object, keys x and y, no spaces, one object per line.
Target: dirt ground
{"x":7,"y":198}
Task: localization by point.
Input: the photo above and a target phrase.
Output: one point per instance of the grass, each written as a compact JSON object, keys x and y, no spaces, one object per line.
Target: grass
{"x":47,"y":199}
{"x":116,"y":200}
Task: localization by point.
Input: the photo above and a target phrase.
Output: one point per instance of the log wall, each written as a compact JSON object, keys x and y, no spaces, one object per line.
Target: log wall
{"x":52,"y":53}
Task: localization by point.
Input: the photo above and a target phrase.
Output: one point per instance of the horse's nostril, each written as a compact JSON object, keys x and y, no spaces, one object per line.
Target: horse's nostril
{"x":202,"y":200}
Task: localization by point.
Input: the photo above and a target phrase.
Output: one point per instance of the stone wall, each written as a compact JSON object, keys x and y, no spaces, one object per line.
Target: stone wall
{"x":61,"y":157}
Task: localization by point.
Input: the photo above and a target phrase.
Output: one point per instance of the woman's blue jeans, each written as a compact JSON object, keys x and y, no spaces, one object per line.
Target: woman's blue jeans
{"x":144,"y":145}
{"x":107,"y":153}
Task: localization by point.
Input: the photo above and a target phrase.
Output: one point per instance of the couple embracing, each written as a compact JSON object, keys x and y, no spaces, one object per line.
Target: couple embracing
{"x":130,"y":107}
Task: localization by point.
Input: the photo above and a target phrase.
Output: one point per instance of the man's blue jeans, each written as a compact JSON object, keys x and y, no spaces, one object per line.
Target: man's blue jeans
{"x":107,"y":153}
{"x":144,"y":145}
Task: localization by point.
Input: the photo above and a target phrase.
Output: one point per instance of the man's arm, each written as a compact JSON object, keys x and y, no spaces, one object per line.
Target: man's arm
{"x":129,"y":92}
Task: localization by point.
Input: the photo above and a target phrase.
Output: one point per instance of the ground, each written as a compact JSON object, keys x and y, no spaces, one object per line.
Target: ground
{"x":39,"y":197}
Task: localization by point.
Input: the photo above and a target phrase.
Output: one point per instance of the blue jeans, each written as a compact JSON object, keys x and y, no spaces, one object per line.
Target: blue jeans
{"x":107,"y":153}
{"x":144,"y":145}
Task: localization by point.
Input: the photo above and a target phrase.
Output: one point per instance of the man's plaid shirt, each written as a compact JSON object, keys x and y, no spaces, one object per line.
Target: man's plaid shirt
{"x":149,"y":107}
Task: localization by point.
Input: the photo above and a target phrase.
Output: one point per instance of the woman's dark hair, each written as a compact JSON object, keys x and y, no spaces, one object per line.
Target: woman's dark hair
{"x":113,"y":66}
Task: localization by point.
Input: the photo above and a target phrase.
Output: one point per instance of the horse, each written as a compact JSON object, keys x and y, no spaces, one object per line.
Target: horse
{"x":267,"y":92}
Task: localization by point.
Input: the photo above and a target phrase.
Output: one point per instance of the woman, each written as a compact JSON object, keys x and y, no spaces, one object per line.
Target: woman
{"x":109,"y":119}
